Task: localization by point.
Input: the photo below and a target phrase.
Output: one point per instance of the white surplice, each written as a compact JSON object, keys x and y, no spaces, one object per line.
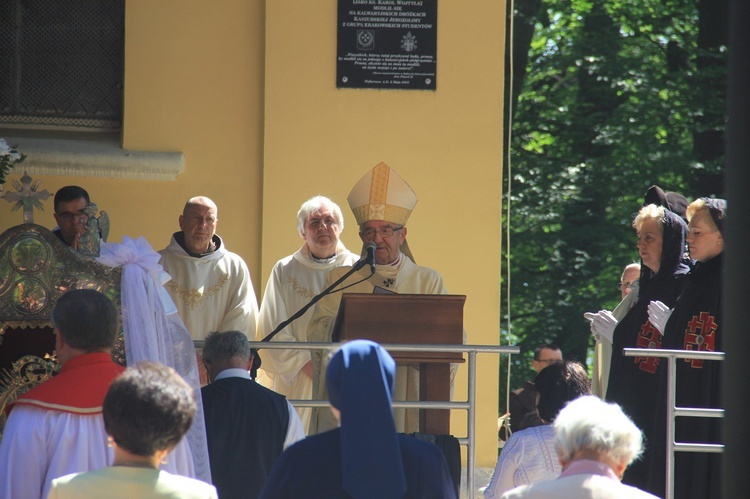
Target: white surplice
{"x":39,"y":445}
{"x":294,"y":281}
{"x":528,"y":456}
{"x":212,"y":293}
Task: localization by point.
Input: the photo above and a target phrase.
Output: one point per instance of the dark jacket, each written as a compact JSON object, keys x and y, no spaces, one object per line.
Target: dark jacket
{"x":246,"y":425}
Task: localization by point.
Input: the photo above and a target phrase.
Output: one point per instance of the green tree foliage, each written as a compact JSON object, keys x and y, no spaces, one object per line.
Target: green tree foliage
{"x":613,"y":97}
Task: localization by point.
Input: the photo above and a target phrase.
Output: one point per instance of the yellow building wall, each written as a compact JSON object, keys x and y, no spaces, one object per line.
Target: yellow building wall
{"x":447,"y":144}
{"x":245,"y":89}
{"x":193,"y":84}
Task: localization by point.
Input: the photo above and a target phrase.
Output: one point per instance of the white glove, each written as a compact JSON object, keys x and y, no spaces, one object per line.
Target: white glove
{"x":658,"y":315}
{"x":602,"y":324}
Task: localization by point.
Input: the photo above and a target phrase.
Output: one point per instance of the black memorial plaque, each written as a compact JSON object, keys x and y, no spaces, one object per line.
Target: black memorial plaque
{"x":387,"y":44}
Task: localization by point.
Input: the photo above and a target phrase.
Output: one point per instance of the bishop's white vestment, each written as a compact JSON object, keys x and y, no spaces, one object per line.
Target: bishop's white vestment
{"x":403,"y":277}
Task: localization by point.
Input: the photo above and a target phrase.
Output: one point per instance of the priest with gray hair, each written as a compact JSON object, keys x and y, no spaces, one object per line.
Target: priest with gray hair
{"x":294,"y":281}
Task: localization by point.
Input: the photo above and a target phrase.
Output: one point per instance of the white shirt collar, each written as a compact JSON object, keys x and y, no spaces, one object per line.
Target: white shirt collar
{"x":232,"y":373}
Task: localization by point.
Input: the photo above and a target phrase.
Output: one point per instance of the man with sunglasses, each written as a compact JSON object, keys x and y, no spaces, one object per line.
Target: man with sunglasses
{"x":70,"y":202}
{"x":523,"y":400}
{"x":382,"y":202}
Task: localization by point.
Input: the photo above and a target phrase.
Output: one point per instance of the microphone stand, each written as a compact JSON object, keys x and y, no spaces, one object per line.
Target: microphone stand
{"x":360,"y":263}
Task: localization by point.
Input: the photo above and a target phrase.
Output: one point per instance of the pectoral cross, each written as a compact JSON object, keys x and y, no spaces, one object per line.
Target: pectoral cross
{"x":27,"y":197}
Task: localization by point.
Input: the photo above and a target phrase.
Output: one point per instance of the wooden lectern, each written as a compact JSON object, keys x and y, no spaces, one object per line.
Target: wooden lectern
{"x":410,"y":319}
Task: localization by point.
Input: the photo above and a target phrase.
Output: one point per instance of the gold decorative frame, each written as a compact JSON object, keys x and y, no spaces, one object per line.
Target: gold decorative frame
{"x":36,"y":268}
{"x":27,"y":372}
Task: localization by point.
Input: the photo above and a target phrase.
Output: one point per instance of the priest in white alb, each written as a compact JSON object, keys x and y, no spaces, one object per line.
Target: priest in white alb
{"x":382,"y":202}
{"x":210,"y":285}
{"x":294,"y":281}
{"x":57,"y":427}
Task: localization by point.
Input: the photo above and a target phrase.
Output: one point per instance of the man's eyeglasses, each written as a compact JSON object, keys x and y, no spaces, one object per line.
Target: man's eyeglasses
{"x":549,"y":361}
{"x":369,"y":234}
{"x":624,"y":285}
{"x":317,"y":223}
{"x":70,"y":215}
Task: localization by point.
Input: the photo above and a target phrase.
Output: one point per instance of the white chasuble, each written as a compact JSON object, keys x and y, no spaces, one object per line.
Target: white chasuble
{"x":212,"y":293}
{"x":294,"y":281}
{"x":409,"y":278}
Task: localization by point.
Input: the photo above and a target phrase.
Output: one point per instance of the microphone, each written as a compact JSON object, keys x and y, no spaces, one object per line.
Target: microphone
{"x":369,"y":258}
{"x":370,"y":248}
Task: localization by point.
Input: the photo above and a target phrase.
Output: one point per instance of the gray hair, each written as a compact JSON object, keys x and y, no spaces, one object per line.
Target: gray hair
{"x":224,"y":345}
{"x":592,"y":425}
{"x":314,"y":205}
{"x":650,"y":212}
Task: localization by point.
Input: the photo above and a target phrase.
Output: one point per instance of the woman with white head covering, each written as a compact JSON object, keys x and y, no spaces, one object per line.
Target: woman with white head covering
{"x":364,"y":457}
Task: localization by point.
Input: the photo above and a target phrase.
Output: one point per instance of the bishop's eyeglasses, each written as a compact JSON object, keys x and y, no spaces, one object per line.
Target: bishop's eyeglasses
{"x":369,"y":234}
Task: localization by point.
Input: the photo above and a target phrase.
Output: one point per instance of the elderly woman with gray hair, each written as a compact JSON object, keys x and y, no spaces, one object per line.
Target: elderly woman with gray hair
{"x":595,"y":443}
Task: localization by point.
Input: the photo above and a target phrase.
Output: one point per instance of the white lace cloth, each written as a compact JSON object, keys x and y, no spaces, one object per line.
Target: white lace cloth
{"x":154,"y":332}
{"x":528,"y":456}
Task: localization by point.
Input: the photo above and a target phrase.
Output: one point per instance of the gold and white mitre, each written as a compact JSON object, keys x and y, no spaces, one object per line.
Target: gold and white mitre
{"x":382,"y":195}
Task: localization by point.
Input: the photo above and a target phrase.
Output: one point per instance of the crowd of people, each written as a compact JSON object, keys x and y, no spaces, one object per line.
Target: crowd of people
{"x":671,"y":299}
{"x":98,"y":426}
{"x":247,"y":426}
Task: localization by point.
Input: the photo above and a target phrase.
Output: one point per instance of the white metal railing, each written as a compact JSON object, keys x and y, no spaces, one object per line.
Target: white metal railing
{"x":674,"y":411}
{"x":469,"y":405}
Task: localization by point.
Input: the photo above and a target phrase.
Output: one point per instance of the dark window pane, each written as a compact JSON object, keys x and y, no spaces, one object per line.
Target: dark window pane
{"x":63,"y":62}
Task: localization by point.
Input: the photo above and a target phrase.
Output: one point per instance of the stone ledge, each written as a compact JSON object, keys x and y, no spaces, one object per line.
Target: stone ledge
{"x":94,"y":158}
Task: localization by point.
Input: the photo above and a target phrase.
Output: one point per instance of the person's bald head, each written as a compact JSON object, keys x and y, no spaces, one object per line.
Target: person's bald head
{"x":631,"y":274}
{"x":201,"y":202}
{"x":198,"y":222}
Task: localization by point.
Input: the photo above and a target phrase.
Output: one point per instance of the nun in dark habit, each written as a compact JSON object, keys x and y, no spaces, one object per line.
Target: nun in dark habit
{"x":364,"y":457}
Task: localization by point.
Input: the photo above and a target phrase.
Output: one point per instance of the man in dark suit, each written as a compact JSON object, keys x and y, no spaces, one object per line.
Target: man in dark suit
{"x":247,"y":425}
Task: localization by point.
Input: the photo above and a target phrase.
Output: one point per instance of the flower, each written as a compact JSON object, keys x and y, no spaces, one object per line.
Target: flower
{"x":9,"y":157}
